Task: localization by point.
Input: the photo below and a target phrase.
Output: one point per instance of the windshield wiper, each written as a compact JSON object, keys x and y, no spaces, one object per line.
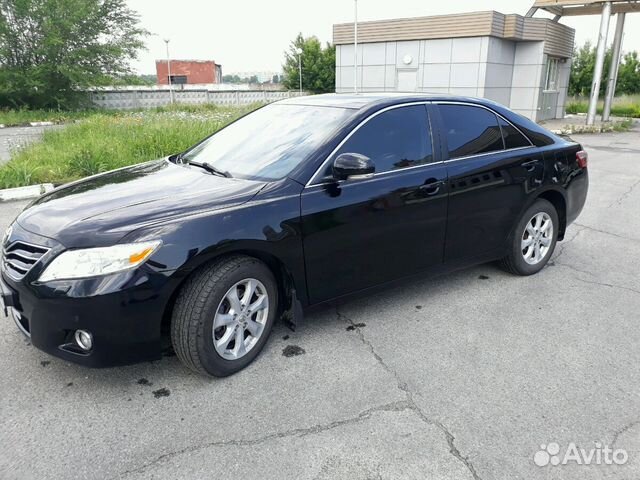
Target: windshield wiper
{"x":211,"y":169}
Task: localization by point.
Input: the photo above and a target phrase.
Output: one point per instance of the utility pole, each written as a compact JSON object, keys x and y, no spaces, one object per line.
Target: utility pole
{"x":355,"y":47}
{"x":166,"y":40}
{"x":299,"y":52}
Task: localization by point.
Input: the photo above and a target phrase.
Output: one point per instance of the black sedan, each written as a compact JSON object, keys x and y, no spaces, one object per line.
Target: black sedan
{"x":293,"y":205}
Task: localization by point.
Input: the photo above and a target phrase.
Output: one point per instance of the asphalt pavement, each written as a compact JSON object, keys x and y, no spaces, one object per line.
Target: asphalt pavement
{"x":14,"y":138}
{"x":463,"y":376}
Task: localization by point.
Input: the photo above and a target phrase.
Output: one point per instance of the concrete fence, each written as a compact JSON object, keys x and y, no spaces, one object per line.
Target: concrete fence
{"x":128,"y":99}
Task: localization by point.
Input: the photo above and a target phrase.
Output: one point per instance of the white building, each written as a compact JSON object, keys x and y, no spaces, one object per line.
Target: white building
{"x":523,"y":63}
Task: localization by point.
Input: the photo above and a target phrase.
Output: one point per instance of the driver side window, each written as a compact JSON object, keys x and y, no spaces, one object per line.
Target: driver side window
{"x":395,"y":139}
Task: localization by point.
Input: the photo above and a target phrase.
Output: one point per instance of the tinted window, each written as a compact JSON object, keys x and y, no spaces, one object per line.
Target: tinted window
{"x":268,"y":143}
{"x":470,"y":130}
{"x":512,"y":137}
{"x":394,"y":139}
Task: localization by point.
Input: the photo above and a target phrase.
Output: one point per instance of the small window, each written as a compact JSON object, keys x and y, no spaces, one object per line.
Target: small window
{"x":470,"y":130}
{"x":397,"y":138}
{"x":178,"y":79}
{"x":512,"y":137}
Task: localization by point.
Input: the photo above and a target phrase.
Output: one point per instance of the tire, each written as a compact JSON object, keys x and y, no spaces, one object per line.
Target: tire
{"x":210,"y":294}
{"x":516,"y":261}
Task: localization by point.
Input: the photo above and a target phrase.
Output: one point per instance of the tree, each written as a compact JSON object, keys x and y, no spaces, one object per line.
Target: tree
{"x":584,"y":61}
{"x":318,"y":66}
{"x":52,"y":49}
{"x":629,"y":74}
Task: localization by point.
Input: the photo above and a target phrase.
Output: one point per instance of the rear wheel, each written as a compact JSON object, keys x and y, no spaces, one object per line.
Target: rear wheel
{"x":533,"y":240}
{"x":223,"y":316}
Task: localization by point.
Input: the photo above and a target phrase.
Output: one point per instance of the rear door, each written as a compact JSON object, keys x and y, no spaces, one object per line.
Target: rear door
{"x":492,"y":169}
{"x":362,"y":232}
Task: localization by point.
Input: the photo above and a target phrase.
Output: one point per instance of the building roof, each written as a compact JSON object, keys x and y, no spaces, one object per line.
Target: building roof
{"x":176,"y":60}
{"x":558,"y":38}
{"x":360,"y":100}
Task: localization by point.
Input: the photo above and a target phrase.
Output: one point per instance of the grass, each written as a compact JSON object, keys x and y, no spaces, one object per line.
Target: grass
{"x":623,"y":106}
{"x":623,"y":126}
{"x":103,"y":141}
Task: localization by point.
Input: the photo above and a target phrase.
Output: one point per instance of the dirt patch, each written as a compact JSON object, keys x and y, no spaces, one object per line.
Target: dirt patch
{"x":162,"y":392}
{"x":293,"y":351}
{"x":351,"y":328}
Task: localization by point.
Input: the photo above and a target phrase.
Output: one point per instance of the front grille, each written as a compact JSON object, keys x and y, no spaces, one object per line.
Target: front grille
{"x":20,"y":257}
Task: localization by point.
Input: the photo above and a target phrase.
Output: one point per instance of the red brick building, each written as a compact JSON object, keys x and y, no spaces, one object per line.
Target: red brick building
{"x":188,"y":72}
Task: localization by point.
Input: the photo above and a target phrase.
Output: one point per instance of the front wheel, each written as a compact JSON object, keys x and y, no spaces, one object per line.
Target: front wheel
{"x":533,"y":240}
{"x":223,"y":316}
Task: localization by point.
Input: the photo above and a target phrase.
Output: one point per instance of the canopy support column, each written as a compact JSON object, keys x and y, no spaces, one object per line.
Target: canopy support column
{"x":613,"y":69}
{"x":597,"y":72}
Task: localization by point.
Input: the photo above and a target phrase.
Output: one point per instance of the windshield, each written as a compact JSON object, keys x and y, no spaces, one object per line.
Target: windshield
{"x":268,"y":143}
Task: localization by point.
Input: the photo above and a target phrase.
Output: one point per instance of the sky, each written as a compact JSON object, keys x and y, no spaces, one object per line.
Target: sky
{"x":252,"y":35}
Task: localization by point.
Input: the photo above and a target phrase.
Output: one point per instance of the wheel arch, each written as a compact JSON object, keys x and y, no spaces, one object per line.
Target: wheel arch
{"x":557,"y":199}
{"x":284,"y":279}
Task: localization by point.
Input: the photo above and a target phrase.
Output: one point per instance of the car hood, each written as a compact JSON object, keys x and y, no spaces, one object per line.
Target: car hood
{"x":102,"y":209}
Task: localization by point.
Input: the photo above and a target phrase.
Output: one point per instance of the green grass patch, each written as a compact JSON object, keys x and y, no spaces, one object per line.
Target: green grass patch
{"x":104,"y":141}
{"x":623,"y":106}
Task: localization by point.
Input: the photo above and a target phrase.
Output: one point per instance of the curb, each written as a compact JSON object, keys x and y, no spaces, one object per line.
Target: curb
{"x":23,"y":193}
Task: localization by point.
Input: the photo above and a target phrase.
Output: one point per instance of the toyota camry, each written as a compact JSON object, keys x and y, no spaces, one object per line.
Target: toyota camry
{"x":291,"y":206}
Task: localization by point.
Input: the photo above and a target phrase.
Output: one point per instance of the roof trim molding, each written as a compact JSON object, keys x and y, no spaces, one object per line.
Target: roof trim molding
{"x":476,"y":24}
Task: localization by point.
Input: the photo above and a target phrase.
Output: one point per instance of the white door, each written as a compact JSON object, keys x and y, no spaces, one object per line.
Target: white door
{"x":407,"y":80}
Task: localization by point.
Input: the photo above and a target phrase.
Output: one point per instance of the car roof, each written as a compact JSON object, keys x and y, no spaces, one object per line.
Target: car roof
{"x":365,"y":100}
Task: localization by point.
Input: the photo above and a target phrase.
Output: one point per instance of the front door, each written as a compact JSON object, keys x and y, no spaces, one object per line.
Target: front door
{"x":363,"y":232}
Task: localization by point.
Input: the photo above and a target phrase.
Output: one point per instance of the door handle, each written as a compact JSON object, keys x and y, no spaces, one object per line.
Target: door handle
{"x":530,"y":165}
{"x":432,"y":186}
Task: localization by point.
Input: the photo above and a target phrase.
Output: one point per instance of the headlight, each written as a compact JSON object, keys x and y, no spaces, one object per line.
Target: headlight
{"x":93,"y":262}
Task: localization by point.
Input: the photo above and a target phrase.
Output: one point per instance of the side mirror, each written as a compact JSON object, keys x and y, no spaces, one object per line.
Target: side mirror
{"x":353,"y":166}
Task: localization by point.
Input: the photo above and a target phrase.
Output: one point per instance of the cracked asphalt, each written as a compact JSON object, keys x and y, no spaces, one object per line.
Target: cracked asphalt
{"x":462,"y":376}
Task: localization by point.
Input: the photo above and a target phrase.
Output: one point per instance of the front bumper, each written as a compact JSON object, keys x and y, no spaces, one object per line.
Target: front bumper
{"x":122,"y":311}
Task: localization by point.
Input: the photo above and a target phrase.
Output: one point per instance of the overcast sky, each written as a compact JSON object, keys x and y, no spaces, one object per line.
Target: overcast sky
{"x":251,"y":35}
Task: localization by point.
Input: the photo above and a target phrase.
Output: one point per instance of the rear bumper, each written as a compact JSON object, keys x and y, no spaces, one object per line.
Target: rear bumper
{"x":577,"y":195}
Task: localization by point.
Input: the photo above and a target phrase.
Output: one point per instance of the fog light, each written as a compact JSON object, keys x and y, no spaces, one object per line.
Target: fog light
{"x":84,"y":339}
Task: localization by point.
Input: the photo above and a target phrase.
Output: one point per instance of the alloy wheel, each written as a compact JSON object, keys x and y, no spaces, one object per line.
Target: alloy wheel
{"x":240,"y":319}
{"x":537,"y":238}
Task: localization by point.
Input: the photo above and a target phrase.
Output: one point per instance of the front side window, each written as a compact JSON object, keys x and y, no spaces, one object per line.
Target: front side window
{"x":470,"y":130}
{"x":270,"y":142}
{"x":397,"y":138}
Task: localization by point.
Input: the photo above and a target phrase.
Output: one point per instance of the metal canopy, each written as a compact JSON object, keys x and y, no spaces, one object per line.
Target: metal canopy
{"x":606,"y":8}
{"x":567,"y":8}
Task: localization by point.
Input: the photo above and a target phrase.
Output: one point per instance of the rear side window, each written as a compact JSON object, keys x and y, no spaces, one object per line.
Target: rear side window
{"x":397,"y":138}
{"x":512,"y":137}
{"x":470,"y":130}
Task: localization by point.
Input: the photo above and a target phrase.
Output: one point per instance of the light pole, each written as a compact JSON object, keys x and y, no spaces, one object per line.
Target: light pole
{"x":166,"y":40}
{"x":299,"y":52}
{"x":355,"y":47}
